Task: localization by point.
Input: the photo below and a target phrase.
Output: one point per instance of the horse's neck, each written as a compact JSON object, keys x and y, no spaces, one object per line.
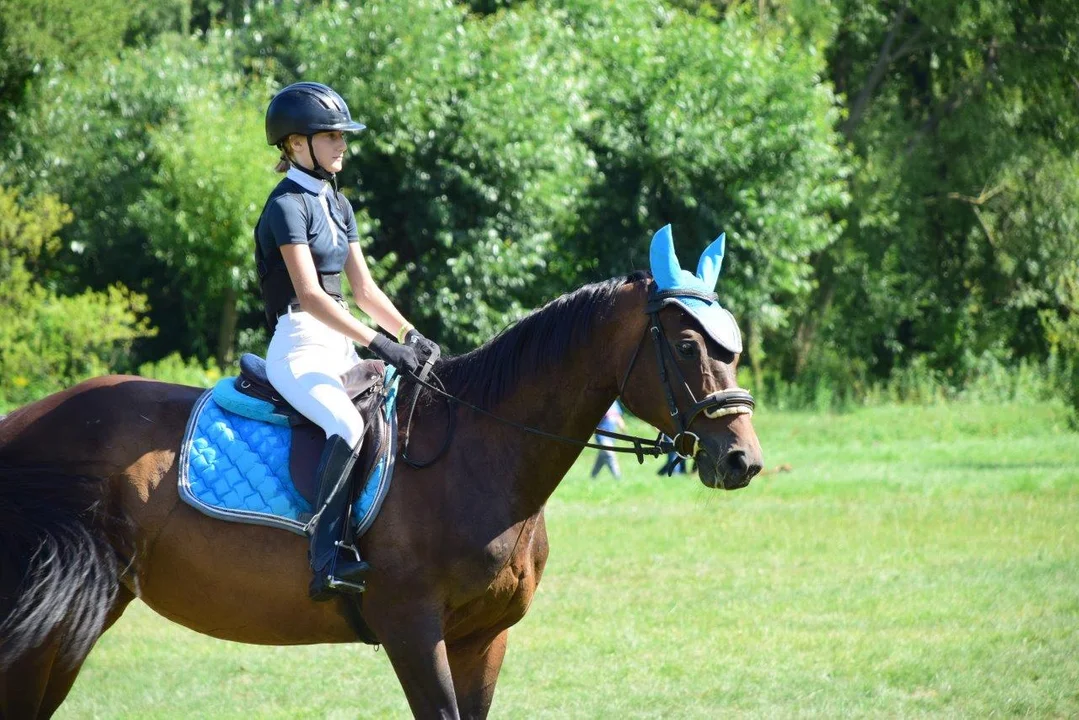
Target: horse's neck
{"x":567,"y":400}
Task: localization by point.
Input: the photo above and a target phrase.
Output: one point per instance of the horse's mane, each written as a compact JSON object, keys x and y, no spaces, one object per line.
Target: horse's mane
{"x":536,"y":342}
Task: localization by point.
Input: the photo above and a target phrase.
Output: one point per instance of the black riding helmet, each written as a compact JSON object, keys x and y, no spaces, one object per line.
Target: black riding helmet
{"x":307,"y":108}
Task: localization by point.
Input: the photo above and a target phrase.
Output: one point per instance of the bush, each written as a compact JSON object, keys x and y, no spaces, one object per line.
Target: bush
{"x":50,"y":341}
{"x":175,"y":369}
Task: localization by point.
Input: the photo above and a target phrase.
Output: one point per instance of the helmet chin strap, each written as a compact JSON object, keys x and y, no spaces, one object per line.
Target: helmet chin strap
{"x":319,"y":172}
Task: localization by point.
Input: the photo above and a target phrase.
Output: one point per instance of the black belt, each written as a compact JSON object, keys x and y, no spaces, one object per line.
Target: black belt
{"x":293,"y":306}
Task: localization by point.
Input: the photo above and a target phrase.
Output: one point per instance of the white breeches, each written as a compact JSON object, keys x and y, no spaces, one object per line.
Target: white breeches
{"x":304,"y":363}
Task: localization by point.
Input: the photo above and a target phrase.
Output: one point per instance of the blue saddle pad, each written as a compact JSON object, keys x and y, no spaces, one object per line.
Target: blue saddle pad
{"x":236,"y":468}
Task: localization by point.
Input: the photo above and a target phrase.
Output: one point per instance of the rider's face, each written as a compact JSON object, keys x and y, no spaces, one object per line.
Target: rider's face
{"x":329,"y":148}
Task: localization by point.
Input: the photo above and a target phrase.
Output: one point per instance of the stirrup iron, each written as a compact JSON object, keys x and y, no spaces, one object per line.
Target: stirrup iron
{"x":343,"y":585}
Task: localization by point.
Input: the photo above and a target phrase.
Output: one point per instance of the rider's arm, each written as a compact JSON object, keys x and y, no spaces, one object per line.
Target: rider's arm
{"x":314,"y":300}
{"x":369,"y":295}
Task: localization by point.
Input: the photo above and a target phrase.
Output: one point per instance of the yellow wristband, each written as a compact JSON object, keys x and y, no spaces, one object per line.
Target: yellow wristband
{"x":403,"y":331}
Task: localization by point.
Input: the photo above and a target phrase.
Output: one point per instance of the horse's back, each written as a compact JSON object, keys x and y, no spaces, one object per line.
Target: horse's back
{"x":98,"y":427}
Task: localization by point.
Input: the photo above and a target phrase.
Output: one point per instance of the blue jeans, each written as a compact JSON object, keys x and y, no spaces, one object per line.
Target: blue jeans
{"x":606,"y":458}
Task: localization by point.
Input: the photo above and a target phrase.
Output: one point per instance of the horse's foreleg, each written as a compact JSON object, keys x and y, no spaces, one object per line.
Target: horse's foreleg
{"x":475,"y":663}
{"x":413,"y":638}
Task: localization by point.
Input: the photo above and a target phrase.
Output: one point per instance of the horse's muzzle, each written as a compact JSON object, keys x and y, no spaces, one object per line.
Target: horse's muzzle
{"x":732,"y":471}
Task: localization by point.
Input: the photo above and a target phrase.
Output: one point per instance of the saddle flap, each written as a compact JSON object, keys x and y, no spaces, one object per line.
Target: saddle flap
{"x":362,"y":376}
{"x":307,"y":444}
{"x":308,"y":441}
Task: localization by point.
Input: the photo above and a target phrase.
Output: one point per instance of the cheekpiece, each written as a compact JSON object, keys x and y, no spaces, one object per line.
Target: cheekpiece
{"x":694,"y":293}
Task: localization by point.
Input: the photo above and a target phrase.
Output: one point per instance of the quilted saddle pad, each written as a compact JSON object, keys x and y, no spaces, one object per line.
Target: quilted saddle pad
{"x":237,"y":468}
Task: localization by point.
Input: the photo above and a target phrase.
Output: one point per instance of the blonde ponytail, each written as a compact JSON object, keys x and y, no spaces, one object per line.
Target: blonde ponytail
{"x":285,"y":161}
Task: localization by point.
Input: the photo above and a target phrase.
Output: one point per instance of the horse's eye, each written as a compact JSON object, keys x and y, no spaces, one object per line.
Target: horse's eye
{"x":687,"y":348}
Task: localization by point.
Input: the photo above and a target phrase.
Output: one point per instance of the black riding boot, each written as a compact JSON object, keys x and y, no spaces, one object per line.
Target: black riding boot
{"x":333,"y":572}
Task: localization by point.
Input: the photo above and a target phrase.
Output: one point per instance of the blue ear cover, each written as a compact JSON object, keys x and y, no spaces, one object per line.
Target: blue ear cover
{"x":665,"y":266}
{"x":712,"y":262}
{"x":669,"y":275}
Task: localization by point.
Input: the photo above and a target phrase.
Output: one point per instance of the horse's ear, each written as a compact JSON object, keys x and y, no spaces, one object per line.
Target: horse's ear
{"x":665,"y":266}
{"x":711,"y":262}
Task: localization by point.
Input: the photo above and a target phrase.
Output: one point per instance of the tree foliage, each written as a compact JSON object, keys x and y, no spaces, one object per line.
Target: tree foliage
{"x":48,"y":340}
{"x":148,"y":150}
{"x":896,"y":178}
{"x":711,"y":127}
{"x":963,"y":120}
{"x":199,"y":214}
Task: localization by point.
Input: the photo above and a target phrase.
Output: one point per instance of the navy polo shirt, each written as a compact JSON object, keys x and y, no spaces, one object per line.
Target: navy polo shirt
{"x":304,"y":210}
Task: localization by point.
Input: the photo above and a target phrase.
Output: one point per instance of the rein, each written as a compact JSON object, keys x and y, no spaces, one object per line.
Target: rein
{"x":641,"y":446}
{"x":733,"y":401}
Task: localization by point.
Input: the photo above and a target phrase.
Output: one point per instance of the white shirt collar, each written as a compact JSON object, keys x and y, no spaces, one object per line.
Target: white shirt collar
{"x":319,"y":187}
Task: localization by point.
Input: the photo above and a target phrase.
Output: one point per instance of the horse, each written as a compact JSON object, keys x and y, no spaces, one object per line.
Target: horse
{"x":90,"y":517}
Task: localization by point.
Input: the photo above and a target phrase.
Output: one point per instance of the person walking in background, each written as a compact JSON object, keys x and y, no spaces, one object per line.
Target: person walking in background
{"x":612,"y":421}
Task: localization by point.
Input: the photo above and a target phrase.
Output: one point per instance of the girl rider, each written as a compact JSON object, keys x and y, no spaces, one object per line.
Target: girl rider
{"x":304,"y":238}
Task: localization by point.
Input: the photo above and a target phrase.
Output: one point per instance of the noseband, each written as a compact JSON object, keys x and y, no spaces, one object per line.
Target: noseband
{"x":732,"y":401}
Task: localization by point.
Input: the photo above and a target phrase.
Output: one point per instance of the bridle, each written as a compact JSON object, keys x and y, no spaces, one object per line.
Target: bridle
{"x":733,"y":401}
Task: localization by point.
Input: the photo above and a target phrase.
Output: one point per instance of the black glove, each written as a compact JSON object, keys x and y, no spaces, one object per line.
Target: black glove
{"x":400,"y":356}
{"x":424,"y":348}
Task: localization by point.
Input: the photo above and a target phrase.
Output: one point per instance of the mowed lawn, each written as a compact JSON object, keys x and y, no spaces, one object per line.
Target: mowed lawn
{"x":912,"y":562}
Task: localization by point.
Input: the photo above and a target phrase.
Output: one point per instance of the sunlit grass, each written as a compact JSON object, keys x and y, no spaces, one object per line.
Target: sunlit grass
{"x":912,"y":562}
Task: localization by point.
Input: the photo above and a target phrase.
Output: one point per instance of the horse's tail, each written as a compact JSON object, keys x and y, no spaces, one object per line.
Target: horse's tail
{"x":61,"y":557}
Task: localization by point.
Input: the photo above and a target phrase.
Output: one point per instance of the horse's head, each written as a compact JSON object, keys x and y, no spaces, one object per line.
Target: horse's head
{"x":681,"y":377}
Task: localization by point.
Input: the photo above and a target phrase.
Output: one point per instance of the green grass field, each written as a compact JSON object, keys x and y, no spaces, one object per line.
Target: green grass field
{"x":913,"y":562}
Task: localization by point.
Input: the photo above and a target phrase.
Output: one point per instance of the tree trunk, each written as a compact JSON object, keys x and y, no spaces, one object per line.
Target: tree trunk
{"x":805,"y":336}
{"x":226,"y":332}
{"x":185,"y":18}
{"x":752,"y":342}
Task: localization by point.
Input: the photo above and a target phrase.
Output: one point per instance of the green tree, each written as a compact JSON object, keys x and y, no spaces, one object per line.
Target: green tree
{"x":951,"y":107}
{"x":47,"y":340}
{"x":37,"y":36}
{"x":711,"y":126}
{"x":201,"y":210}
{"x":102,"y":137}
{"x":470,"y":168}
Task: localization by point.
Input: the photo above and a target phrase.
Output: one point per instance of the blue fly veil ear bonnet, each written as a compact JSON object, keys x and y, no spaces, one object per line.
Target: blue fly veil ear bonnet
{"x":694,"y":293}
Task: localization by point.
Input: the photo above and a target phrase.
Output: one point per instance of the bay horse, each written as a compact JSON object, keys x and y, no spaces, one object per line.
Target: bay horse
{"x":90,"y":517}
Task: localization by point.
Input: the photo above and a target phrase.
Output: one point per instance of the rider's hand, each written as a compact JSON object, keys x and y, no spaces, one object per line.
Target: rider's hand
{"x":424,"y":348}
{"x":400,"y":356}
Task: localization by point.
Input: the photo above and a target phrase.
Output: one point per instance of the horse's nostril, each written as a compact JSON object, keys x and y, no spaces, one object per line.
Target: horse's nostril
{"x":739,"y":468}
